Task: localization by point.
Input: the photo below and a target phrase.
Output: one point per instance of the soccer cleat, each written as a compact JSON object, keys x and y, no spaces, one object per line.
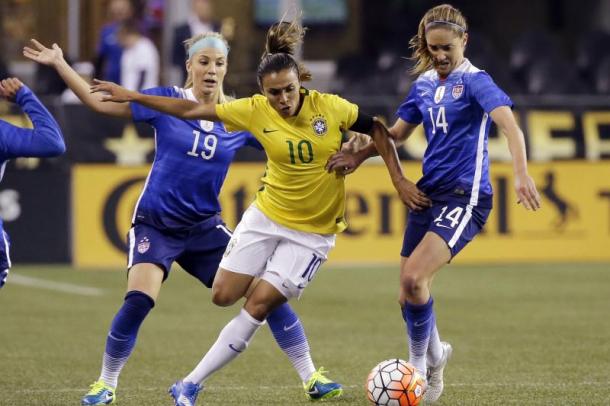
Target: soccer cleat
{"x":99,"y":394}
{"x":320,"y":387}
{"x":3,"y":276}
{"x":434,"y":376}
{"x":184,"y":393}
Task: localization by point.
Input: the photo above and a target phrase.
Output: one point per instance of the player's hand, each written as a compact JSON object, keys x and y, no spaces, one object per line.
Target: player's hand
{"x":3,"y":276}
{"x":343,"y":163}
{"x":9,"y":88}
{"x":43,"y":55}
{"x":356,"y":142}
{"x":411,"y":196}
{"x":526,"y":192}
{"x":113,"y":92}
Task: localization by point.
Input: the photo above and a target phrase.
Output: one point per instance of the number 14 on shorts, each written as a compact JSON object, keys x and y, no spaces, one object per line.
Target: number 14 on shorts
{"x":449,"y":219}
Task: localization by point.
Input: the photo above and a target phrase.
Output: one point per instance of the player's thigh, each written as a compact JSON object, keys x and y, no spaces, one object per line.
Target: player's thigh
{"x":296,"y":261}
{"x":230,"y":286}
{"x":205,"y":249}
{"x":252,"y":244}
{"x":146,"y":278}
{"x":149,"y":245}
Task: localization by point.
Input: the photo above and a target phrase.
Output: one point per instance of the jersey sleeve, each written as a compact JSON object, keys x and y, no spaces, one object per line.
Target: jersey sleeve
{"x":408,"y":110}
{"x":140,"y":113}
{"x":44,"y":140}
{"x":487,"y":93}
{"x":236,"y":114}
{"x":345,"y":111}
{"x":251,"y":141}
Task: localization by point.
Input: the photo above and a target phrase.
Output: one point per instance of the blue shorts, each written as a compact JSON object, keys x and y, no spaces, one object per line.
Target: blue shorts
{"x":5,"y":244}
{"x":197,"y":250}
{"x":455,"y":221}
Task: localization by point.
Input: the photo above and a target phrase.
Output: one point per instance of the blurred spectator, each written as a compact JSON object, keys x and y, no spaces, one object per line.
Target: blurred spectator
{"x":108,"y":60}
{"x":140,"y":59}
{"x":199,"y":22}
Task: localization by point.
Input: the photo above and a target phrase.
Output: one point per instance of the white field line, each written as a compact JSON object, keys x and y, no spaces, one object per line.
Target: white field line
{"x":22,"y":280}
{"x":214,"y":388}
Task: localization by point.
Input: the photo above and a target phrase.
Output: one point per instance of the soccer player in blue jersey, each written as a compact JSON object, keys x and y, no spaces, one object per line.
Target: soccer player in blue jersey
{"x":286,"y":234}
{"x":456,"y":103}
{"x":44,"y":140}
{"x":176,"y":218}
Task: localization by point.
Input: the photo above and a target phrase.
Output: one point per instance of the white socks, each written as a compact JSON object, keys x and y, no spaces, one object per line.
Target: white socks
{"x":232,"y":340}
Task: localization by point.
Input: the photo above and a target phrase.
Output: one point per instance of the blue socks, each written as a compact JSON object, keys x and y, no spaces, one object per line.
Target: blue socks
{"x":290,"y":336}
{"x":122,"y":335}
{"x":420,"y":322}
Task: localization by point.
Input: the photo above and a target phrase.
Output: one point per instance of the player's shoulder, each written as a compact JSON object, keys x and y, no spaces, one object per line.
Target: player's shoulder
{"x":173,"y":91}
{"x":469,"y":72}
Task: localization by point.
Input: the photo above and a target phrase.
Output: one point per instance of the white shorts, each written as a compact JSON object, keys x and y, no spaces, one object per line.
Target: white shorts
{"x":287,"y":259}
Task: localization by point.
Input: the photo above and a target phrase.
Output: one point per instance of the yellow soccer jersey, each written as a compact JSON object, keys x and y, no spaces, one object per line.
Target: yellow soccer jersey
{"x":297,"y":191}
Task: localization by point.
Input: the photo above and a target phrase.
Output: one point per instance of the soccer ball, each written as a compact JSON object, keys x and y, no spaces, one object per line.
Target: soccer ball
{"x":394,"y":382}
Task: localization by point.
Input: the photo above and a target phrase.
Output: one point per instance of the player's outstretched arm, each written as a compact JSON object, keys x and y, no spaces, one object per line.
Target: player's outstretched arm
{"x":54,"y":57}
{"x":524,"y":184}
{"x":347,"y":160}
{"x":186,"y":109}
{"x":407,"y":190}
{"x":45,"y":140}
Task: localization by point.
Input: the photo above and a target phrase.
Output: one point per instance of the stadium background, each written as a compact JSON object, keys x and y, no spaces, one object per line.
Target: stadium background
{"x":552,"y":57}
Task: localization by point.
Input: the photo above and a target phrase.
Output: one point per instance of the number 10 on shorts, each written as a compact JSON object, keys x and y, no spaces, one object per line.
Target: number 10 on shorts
{"x":312,"y":267}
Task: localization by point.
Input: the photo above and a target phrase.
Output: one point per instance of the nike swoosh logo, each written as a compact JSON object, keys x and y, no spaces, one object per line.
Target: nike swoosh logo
{"x":290,"y":327}
{"x":233,"y":348}
{"x":183,"y":400}
{"x":268,"y":131}
{"x":421,"y":323}
{"x":314,"y":391}
{"x":442,"y":226}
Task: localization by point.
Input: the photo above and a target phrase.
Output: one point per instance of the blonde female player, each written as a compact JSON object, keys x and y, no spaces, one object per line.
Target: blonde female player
{"x":286,"y":234}
{"x":177,"y":218}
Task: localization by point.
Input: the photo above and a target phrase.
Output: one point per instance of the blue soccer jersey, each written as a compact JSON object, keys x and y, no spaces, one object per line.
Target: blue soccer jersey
{"x":191,"y":162}
{"x":455,"y":114}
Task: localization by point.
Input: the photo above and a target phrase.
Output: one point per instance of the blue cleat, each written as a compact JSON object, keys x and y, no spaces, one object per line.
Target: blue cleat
{"x":99,"y":394}
{"x":320,"y":387}
{"x":3,"y":276}
{"x":184,"y":393}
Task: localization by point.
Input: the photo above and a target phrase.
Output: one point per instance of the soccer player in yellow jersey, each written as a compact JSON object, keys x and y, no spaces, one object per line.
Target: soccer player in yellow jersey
{"x":285,"y":235}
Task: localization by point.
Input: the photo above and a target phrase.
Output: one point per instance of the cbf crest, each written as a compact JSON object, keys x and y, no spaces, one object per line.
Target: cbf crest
{"x":457,"y":91}
{"x":319,"y":125}
{"x":143,"y":245}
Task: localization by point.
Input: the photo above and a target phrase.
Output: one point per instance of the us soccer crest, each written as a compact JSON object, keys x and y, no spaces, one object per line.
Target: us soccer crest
{"x":438,"y":95}
{"x":319,"y":125}
{"x":143,"y":245}
{"x":207,"y":126}
{"x":457,"y":91}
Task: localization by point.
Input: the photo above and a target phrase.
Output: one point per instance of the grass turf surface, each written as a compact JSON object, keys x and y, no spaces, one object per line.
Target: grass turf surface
{"x":522,"y":334}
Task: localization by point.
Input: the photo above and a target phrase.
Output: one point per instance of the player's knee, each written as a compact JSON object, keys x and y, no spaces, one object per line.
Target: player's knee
{"x":222,"y":297}
{"x":412,"y":285}
{"x":259,"y":310}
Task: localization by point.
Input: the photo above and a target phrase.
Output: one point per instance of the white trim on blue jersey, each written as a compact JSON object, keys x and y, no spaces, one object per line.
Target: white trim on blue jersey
{"x":478,"y":170}
{"x":132,"y":246}
{"x":6,"y":249}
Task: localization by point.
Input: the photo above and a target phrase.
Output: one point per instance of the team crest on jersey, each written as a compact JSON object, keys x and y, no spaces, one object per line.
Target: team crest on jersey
{"x":319,"y":125}
{"x":457,"y":91}
{"x":206,"y":126}
{"x":143,"y":245}
{"x":438,"y":95}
